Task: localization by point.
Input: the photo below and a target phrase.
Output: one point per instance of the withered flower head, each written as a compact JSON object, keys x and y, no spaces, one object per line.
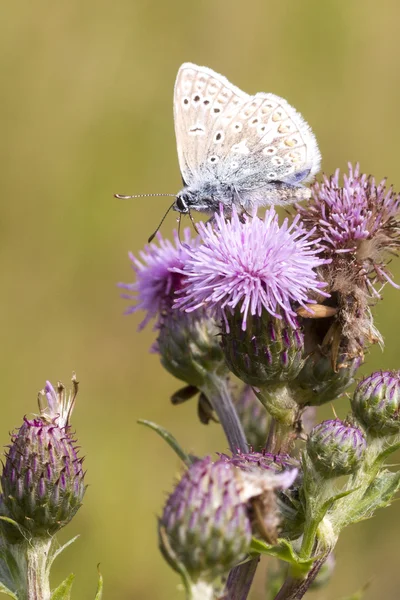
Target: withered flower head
{"x":357,"y":226}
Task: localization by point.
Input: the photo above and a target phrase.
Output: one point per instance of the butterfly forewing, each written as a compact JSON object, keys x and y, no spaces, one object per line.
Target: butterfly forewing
{"x":246,"y":141}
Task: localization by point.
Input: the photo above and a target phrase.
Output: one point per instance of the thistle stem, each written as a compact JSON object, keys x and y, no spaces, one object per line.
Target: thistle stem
{"x":32,"y":558}
{"x":217,"y":392}
{"x":240,"y":580}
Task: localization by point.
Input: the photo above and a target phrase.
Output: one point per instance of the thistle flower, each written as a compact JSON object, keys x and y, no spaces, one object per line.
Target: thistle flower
{"x":249,"y":265}
{"x":336,"y":448}
{"x":206,"y":523}
{"x":43,"y":479}
{"x":376,"y":403}
{"x":356,"y":225}
{"x":358,"y":219}
{"x":156,"y":283}
{"x":188,"y":344}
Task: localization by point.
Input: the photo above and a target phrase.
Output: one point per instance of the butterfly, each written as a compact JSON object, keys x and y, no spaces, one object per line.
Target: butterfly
{"x":238,"y":150}
{"x":235,"y":149}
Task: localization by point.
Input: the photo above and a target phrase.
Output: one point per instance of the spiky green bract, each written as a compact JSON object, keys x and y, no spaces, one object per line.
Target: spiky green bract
{"x":42,"y":479}
{"x":336,"y":448}
{"x":319,"y":382}
{"x":268,"y":350}
{"x":189,"y":346}
{"x":376,"y":403}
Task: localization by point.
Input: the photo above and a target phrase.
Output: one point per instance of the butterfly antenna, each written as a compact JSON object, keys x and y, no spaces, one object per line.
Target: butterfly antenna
{"x":151,"y":238}
{"x":122,"y":197}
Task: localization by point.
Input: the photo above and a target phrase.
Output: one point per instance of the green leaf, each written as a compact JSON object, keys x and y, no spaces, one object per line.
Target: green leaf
{"x":5,"y":590}
{"x":99,"y":592}
{"x":284,"y":551}
{"x":171,"y":441}
{"x":63,"y":592}
{"x":378,"y":495}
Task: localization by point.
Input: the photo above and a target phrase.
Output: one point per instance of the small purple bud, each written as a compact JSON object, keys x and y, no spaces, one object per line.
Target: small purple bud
{"x":34,"y":469}
{"x":336,"y":448}
{"x":376,"y":403}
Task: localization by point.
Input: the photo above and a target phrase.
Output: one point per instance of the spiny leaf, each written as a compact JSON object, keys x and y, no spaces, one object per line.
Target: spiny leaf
{"x":284,"y":551}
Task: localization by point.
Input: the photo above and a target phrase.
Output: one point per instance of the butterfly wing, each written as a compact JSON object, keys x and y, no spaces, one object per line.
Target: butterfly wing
{"x":246,"y":141}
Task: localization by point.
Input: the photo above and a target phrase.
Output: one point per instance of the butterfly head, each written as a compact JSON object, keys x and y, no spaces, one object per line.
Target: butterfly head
{"x":183,"y":202}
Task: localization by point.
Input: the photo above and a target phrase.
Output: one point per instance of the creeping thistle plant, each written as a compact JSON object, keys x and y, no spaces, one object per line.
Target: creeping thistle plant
{"x":287,"y":309}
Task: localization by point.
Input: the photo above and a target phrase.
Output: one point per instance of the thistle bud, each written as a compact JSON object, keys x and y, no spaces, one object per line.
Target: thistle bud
{"x":336,"y":448}
{"x":205,"y":525}
{"x":268,"y":350}
{"x":376,"y":403}
{"x":318,"y":382}
{"x":189,"y":345}
{"x":43,"y":479}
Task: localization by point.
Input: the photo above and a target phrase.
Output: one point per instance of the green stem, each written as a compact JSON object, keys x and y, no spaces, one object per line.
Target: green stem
{"x":217,"y":391}
{"x":32,"y":557}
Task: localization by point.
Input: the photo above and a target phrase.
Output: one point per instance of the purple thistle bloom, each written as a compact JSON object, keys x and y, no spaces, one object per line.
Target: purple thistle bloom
{"x":357,"y":218}
{"x":156,"y":282}
{"x":253,"y":264}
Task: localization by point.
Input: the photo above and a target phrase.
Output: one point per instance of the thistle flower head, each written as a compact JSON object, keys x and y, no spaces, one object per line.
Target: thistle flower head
{"x":358,"y":218}
{"x":336,"y":448}
{"x":156,"y":281}
{"x":43,"y":479}
{"x":376,"y":403}
{"x":251,"y":264}
{"x":206,"y":525}
{"x":356,"y":225}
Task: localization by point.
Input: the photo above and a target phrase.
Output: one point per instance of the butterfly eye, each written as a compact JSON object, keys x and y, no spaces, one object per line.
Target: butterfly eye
{"x":181,"y":203}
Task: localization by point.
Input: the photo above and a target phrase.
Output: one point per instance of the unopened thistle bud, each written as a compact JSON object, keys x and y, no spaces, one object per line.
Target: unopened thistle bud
{"x":205,"y":525}
{"x":336,"y":448}
{"x":320,"y":381}
{"x":268,"y":350}
{"x":376,"y":403}
{"x":207,"y":522}
{"x":43,"y":479}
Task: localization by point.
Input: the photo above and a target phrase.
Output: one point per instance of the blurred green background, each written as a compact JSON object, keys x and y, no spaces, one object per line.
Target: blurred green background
{"x":86,"y":111}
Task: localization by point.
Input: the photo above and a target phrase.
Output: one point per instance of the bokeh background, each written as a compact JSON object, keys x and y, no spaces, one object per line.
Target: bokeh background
{"x":86,"y":111}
